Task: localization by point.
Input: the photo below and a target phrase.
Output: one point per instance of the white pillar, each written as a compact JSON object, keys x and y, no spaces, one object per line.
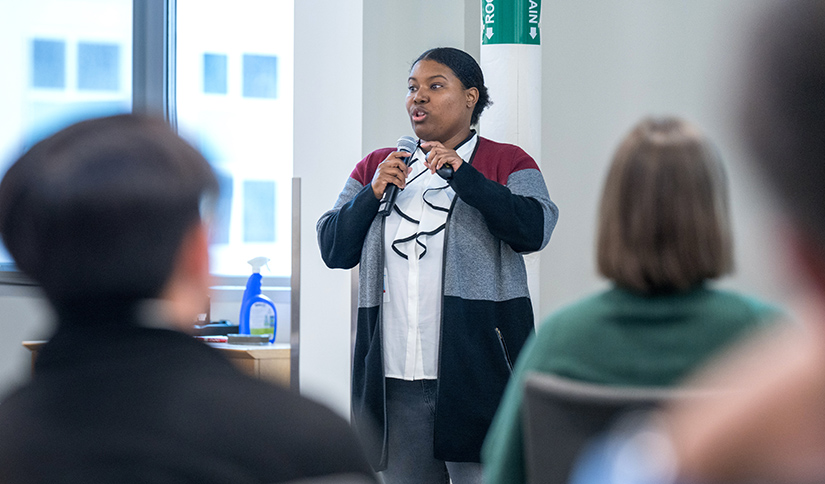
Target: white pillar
{"x":511,"y":62}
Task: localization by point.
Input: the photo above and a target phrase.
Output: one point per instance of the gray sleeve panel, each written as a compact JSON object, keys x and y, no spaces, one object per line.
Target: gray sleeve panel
{"x":371,"y":267}
{"x":371,"y":270}
{"x":530,"y":183}
{"x":341,"y":231}
{"x":351,"y":189}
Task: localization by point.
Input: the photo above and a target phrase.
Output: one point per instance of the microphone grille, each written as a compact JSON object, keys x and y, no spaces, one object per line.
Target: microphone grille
{"x":407,"y":143}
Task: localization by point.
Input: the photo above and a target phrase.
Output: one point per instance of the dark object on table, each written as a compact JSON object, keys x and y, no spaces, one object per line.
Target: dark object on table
{"x":222,"y":327}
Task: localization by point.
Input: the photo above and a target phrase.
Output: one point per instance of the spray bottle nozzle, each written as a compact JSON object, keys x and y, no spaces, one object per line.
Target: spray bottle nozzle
{"x":257,"y":262}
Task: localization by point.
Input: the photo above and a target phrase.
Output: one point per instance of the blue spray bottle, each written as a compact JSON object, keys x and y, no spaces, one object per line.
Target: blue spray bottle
{"x":258,"y":315}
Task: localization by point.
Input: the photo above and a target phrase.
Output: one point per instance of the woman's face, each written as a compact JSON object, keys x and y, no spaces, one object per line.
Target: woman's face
{"x":439,"y":106}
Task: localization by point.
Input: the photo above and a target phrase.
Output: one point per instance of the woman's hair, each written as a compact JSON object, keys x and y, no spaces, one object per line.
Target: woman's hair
{"x":663,"y":221}
{"x":466,"y":69}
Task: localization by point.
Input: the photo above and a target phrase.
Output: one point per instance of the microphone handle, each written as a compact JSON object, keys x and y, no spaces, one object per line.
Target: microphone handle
{"x":390,"y":194}
{"x":388,"y":200}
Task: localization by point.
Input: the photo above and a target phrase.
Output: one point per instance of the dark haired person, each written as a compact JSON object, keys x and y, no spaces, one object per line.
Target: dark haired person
{"x":663,"y":233}
{"x":109,"y":217}
{"x":440,"y":277}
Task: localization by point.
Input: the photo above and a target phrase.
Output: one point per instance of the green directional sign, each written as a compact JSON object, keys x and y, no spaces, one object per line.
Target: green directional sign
{"x":510,"y":21}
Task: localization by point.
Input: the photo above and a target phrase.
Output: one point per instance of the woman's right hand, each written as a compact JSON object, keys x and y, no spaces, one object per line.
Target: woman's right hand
{"x":392,"y":170}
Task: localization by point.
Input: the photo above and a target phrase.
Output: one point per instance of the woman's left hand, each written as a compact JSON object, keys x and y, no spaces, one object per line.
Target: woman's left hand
{"x":439,"y":155}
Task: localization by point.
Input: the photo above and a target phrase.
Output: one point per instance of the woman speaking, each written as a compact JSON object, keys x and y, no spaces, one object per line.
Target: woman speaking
{"x":443,"y":304}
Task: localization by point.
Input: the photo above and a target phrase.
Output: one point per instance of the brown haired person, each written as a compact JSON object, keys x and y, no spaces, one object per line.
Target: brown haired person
{"x":663,"y":233}
{"x":110,"y":217}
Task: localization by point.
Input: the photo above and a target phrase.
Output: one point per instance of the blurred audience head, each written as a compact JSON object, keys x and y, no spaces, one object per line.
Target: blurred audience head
{"x":97,"y":213}
{"x":663,"y":221}
{"x":784,"y":113}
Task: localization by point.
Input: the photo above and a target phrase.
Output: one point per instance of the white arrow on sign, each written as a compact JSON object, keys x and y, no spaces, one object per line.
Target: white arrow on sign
{"x":489,"y":32}
{"x":533,"y":32}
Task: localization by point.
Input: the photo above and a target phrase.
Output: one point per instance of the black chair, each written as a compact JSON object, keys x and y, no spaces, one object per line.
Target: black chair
{"x":561,"y":416}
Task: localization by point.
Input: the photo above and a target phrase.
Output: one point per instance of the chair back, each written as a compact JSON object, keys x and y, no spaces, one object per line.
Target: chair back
{"x":337,"y":479}
{"x":560,"y":417}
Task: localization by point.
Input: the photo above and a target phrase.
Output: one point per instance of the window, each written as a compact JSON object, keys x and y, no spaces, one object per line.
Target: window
{"x":98,"y":66}
{"x":63,"y":61}
{"x":234,"y":103}
{"x":214,"y":73}
{"x":67,"y":60}
{"x":259,"y":211}
{"x":48,"y":64}
{"x":260,"y":76}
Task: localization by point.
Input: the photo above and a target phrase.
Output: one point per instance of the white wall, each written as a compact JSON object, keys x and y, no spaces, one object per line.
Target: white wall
{"x":607,"y":64}
{"x":395,"y":34}
{"x":328,"y":104}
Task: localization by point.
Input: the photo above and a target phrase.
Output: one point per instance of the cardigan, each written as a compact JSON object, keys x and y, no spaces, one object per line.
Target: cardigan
{"x":501,"y":210}
{"x":620,"y":337}
{"x":129,"y":404}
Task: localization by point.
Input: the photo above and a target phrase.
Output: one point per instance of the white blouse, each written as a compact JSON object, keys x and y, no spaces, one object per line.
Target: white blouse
{"x":413,"y":270}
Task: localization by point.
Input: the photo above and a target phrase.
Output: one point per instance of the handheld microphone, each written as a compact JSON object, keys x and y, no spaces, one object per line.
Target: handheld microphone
{"x":445,"y":172}
{"x":407,"y":144}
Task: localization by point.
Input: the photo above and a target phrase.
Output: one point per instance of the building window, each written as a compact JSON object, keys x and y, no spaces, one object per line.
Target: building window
{"x":259,"y":211}
{"x":223,"y":209}
{"x":260,"y":76}
{"x":233,"y":100}
{"x":214,"y":73}
{"x":48,"y":64}
{"x":98,"y":66}
{"x":52,"y":52}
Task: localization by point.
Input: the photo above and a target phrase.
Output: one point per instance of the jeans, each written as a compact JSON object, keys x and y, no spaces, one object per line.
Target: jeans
{"x":410,"y":422}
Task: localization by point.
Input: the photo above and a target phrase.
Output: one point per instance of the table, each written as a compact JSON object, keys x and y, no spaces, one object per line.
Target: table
{"x":268,"y":362}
